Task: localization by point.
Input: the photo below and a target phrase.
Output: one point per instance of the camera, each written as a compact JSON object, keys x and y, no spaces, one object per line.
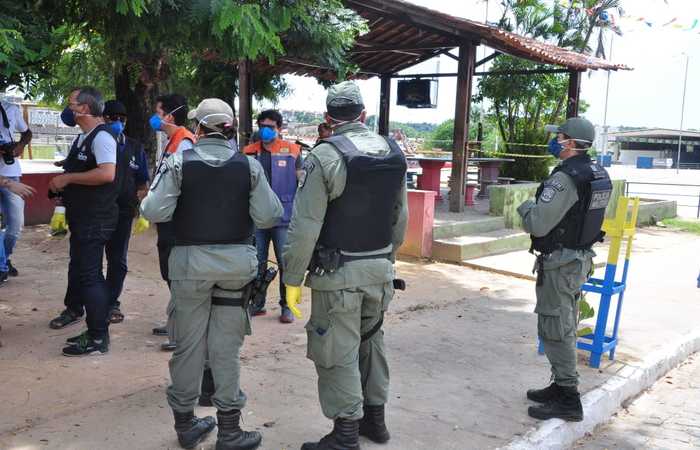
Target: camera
{"x":53,"y":195}
{"x":8,"y":152}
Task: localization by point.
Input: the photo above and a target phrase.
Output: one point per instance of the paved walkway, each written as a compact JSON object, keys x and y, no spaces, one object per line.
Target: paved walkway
{"x":665,"y":418}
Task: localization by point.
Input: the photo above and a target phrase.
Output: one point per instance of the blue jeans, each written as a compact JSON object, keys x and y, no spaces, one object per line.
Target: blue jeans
{"x":116,"y":250}
{"x":3,"y":258}
{"x":87,"y":289}
{"x":278,"y":236}
{"x":12,"y":216}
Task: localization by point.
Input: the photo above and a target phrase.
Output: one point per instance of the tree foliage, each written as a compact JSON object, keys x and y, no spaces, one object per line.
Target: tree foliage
{"x":142,"y":48}
{"x":523,"y":104}
{"x":27,"y":45}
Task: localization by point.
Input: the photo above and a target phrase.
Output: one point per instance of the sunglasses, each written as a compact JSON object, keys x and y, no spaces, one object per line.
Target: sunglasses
{"x":121,"y":119}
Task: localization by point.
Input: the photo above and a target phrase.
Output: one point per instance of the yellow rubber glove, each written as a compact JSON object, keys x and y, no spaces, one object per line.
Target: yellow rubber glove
{"x":58,"y":221}
{"x":293,"y":299}
{"x":140,"y":225}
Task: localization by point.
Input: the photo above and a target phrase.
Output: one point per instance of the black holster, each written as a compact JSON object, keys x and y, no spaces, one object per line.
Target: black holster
{"x":324,"y":260}
{"x":539,"y":268}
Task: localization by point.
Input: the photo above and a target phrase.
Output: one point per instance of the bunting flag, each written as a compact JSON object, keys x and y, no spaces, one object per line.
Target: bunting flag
{"x":607,"y":18}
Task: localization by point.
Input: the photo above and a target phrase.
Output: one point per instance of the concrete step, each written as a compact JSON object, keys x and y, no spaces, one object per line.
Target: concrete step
{"x":458,"y":249}
{"x":455,"y":228}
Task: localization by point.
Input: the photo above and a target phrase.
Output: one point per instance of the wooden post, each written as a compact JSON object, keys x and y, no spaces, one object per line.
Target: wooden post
{"x":465,"y":70}
{"x":245,"y":102}
{"x":574,"y":94}
{"x":25,"y":116}
{"x":384,"y":105}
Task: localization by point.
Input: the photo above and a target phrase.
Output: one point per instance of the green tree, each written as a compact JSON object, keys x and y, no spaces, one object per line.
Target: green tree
{"x":442,"y":136}
{"x":27,"y":45}
{"x":147,"y":47}
{"x":521,"y":104}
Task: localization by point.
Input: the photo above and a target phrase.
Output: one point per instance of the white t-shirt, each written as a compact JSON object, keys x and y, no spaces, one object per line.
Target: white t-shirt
{"x":104,"y":147}
{"x":17,"y":125}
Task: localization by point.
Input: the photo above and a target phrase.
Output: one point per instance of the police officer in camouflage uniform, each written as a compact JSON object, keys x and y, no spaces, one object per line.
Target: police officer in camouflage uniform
{"x":349,"y":220}
{"x":564,"y":222}
{"x":214,"y":197}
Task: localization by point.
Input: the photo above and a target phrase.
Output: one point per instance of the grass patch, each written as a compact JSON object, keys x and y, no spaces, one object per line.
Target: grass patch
{"x":691,"y":226}
{"x":41,"y":152}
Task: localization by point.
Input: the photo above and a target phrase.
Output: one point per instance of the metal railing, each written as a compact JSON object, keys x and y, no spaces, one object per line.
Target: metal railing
{"x":670,"y":193}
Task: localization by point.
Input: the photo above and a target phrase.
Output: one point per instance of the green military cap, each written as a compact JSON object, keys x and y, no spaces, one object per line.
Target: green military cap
{"x":578,"y":129}
{"x":344,"y":101}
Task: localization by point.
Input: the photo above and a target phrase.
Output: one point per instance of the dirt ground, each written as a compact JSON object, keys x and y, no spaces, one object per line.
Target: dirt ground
{"x":461,"y":345}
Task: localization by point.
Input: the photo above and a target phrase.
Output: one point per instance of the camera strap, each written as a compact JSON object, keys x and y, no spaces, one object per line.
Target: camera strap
{"x":6,"y":122}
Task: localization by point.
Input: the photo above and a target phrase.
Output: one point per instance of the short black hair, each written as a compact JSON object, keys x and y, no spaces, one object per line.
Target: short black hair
{"x":271,"y":114}
{"x":171,"y":102}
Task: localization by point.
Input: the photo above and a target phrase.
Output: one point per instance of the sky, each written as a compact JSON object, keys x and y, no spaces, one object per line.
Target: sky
{"x":648,"y":96}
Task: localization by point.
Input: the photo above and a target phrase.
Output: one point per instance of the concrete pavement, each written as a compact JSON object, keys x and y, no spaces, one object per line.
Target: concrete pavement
{"x":461,"y":344}
{"x":667,"y":417}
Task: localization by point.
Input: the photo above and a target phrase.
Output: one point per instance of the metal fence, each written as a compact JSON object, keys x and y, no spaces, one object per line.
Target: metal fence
{"x":668,"y":191}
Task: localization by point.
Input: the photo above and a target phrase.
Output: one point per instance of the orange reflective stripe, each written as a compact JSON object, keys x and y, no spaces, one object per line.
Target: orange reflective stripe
{"x":180,"y":134}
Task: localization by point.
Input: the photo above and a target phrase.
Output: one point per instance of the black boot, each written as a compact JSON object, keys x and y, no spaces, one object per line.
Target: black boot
{"x":372,"y":425}
{"x":207,"y":389}
{"x":231,"y":437}
{"x":545,"y":395}
{"x":567,"y":406}
{"x":345,"y":436}
{"x":192,"y":430}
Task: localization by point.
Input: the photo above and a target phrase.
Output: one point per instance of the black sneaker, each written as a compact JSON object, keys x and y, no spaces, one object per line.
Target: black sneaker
{"x":87,"y":346}
{"x":11,"y":270}
{"x":75,"y":339}
{"x":67,"y":317}
{"x":3,"y":277}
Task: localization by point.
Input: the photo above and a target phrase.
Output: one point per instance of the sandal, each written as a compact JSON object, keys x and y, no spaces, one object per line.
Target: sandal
{"x":116,"y":316}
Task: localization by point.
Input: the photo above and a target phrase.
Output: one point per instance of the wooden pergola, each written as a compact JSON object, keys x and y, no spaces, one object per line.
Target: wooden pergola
{"x":402,"y":35}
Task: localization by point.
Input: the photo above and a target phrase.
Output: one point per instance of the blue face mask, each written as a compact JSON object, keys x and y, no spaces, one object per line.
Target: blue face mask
{"x":554,"y":147}
{"x":267,"y":134}
{"x":68,"y":117}
{"x":155,"y":122}
{"x":117,"y":127}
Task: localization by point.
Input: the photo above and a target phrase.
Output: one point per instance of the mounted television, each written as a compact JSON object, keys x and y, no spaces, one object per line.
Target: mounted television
{"x":417,"y":93}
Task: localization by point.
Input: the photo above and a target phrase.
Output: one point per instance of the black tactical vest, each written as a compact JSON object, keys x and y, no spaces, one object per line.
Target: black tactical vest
{"x":213,"y":207}
{"x":126,"y":154}
{"x":361,"y":218}
{"x":581,"y":226}
{"x":90,"y":202}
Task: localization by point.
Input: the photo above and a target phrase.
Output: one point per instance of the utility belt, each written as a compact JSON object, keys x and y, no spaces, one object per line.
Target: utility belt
{"x":241,"y":298}
{"x":327,"y":260}
{"x":250,"y":240}
{"x":539,"y":262}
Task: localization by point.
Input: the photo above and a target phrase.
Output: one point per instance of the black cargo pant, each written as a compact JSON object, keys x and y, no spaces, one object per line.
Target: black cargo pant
{"x":87,"y":288}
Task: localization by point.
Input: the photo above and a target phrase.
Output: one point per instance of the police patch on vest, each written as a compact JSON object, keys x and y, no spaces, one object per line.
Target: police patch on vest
{"x":599,"y":199}
{"x":282,"y":163}
{"x":308,"y":168}
{"x":547,"y":194}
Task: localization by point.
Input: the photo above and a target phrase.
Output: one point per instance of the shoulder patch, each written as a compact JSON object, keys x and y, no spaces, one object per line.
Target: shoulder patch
{"x":556,"y":184}
{"x":309,"y":166}
{"x":547,"y":194}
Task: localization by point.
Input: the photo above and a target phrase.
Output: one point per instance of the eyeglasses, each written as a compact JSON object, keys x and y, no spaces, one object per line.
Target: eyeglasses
{"x":121,"y":119}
